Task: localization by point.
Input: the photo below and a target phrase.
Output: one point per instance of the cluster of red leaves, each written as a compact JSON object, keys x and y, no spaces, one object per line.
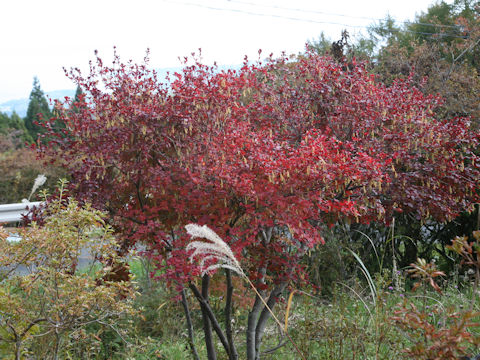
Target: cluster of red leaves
{"x":292,"y":145}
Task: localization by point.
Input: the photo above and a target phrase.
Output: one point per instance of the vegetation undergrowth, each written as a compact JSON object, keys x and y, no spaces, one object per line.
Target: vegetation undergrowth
{"x":432,"y":322}
{"x":421,"y":322}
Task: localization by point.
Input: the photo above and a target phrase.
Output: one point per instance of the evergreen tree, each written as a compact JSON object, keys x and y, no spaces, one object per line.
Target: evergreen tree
{"x":17,"y":123}
{"x":38,"y":110}
{"x":79,"y":97}
{"x":13,"y":133}
{"x":78,"y":92}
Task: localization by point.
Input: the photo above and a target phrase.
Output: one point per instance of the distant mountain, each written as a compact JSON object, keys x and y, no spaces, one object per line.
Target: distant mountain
{"x":20,"y":106}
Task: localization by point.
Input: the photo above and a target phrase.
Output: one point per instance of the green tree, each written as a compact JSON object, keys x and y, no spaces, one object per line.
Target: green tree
{"x":78,"y":100}
{"x":38,"y":110}
{"x":78,"y":93}
{"x":362,"y":48}
{"x":54,"y":307}
{"x":13,"y":134}
{"x":441,"y":46}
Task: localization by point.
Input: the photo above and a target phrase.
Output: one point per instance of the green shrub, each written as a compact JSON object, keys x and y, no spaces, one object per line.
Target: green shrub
{"x":48,"y":307}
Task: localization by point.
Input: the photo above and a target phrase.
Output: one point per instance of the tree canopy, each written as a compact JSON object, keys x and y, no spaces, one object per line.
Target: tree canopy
{"x":441,"y":49}
{"x":13,"y":133}
{"x":267,"y":156}
{"x":38,"y":110}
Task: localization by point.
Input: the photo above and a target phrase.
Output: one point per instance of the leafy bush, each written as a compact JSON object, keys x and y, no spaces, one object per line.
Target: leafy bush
{"x":19,"y":168}
{"x":47,"y":306}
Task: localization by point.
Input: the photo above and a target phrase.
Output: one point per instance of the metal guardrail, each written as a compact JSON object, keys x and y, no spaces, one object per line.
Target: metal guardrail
{"x":13,"y":212}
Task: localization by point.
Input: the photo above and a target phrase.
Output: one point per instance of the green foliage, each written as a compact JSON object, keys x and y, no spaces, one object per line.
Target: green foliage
{"x":344,"y":325}
{"x":153,"y":348}
{"x":436,"y":331}
{"x":321,"y":45}
{"x":345,"y":328}
{"x":362,"y":48}
{"x":439,"y":51}
{"x":443,"y":23}
{"x":13,"y":133}
{"x":441,"y":45}
{"x":38,"y":110}
{"x":331,"y":263}
{"x":159,"y":316}
{"x":19,"y":168}
{"x":44,"y":294}
{"x":79,"y":96}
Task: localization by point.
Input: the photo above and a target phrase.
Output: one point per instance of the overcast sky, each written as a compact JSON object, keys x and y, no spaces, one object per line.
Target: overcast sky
{"x":39,"y":37}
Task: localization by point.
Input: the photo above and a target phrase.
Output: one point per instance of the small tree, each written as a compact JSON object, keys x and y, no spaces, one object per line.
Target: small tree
{"x":12,"y":129}
{"x":441,"y":50}
{"x":45,"y":297}
{"x":19,"y":168}
{"x":266,"y":156}
{"x":38,"y":110}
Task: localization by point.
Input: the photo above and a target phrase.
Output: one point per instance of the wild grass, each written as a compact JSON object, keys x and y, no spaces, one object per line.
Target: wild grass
{"x":361,"y":318}
{"x":348,"y":324}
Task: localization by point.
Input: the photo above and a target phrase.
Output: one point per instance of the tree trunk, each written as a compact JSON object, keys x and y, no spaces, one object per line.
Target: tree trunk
{"x":251,"y":328}
{"x":207,"y":327}
{"x":254,"y":314}
{"x":211,"y":316}
{"x":233,"y":355}
{"x":265,"y":315}
{"x":410,"y":255}
{"x":191,"y":339}
{"x":18,"y":349}
{"x":57,"y":345}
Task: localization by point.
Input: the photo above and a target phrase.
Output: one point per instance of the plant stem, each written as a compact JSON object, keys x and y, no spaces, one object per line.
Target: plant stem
{"x":211,"y":317}
{"x":274,"y":317}
{"x":191,"y":339}
{"x":265,"y":315}
{"x":423,"y":310}
{"x":207,"y":328}
{"x":475,"y":288}
{"x":228,"y":316}
{"x":253,"y":320}
{"x":394,"y":259}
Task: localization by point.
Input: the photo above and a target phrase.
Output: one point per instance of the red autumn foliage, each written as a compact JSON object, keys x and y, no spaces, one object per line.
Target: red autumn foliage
{"x":288,"y":145}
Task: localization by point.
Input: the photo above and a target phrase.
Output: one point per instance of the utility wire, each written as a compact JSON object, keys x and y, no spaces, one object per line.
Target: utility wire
{"x":304,"y":19}
{"x":258,"y":14}
{"x":335,"y":14}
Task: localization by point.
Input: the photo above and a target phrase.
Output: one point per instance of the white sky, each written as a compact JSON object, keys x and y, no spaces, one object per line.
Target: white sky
{"x":39,"y":37}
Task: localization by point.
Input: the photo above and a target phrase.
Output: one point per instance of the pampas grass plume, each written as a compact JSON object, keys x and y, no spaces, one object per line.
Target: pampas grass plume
{"x":217,"y":249}
{"x":39,"y":181}
{"x":213,"y":249}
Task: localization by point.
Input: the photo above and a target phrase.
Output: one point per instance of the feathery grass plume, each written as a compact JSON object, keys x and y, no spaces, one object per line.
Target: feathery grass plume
{"x":39,"y":181}
{"x":217,"y":249}
{"x":214,"y":249}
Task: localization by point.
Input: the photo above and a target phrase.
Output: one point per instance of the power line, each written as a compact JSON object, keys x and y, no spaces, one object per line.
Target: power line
{"x":246,"y":12}
{"x":334,"y":14}
{"x":258,"y":14}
